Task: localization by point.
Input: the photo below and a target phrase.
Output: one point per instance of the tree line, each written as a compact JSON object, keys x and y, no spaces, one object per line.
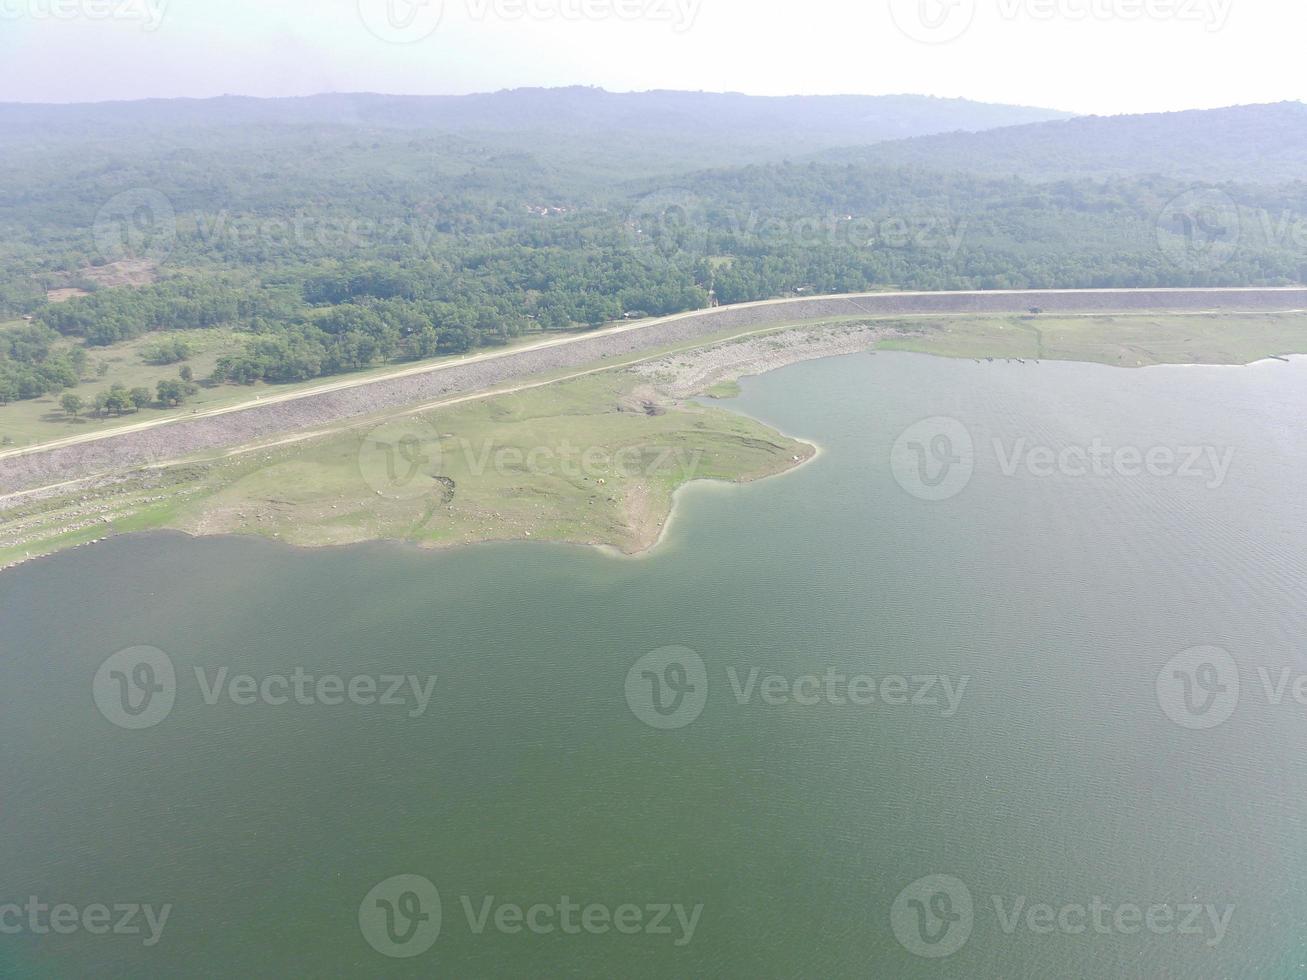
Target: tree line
{"x":357,"y":254}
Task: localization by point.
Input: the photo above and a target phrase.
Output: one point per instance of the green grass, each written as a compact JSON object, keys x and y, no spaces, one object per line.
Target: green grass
{"x":1126,"y":341}
{"x":37,"y":420}
{"x":34,"y":421}
{"x":579,"y":461}
{"x":724,"y":389}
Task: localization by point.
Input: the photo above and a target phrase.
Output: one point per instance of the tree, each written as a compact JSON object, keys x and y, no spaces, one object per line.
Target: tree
{"x":140,"y":397}
{"x":72,"y":404}
{"x":8,"y":391}
{"x":186,"y":374}
{"x":117,"y":399}
{"x":167,"y":350}
{"x":173,"y":393}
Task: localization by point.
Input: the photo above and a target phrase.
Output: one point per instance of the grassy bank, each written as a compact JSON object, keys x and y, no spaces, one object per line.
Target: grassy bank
{"x":1125,"y":341}
{"x":594,"y":460}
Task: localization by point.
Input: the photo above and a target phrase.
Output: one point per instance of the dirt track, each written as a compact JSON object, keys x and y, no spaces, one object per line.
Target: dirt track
{"x":172,"y":438}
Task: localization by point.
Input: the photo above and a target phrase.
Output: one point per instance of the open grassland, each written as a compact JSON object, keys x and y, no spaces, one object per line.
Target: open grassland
{"x":36,"y":420}
{"x":1123,"y":340}
{"x":594,"y":460}
{"x":32,"y":422}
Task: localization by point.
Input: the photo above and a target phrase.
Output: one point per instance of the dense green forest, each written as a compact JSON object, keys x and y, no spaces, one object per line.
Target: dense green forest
{"x":335,"y":246}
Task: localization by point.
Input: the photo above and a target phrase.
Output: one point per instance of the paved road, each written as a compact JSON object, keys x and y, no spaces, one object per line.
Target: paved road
{"x":264,"y":418}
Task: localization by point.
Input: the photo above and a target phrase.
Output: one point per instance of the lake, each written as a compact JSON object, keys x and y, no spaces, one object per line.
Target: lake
{"x":1006,"y":682}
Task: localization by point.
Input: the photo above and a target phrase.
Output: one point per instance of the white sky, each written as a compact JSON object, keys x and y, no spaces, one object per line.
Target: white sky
{"x":1103,"y":56}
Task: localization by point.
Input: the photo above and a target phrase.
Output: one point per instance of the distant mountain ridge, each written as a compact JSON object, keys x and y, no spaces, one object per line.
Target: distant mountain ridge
{"x":576,"y":129}
{"x":1247,"y":144}
{"x":868,"y":117}
{"x":710,"y":128}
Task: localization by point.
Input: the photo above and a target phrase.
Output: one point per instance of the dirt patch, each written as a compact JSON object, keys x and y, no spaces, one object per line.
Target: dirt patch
{"x":644,"y":400}
{"x":644,"y":521}
{"x":128,"y":272}
{"x":64,"y":295}
{"x":694,"y":372}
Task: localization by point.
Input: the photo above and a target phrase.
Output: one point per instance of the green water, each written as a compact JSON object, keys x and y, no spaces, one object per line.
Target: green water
{"x":529,"y":777}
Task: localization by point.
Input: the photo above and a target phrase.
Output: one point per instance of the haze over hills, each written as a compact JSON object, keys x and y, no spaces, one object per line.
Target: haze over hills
{"x":1248,"y":144}
{"x":858,"y":117}
{"x":705,"y":128}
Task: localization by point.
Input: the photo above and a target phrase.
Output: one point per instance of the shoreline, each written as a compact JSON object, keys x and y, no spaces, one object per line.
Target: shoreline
{"x":264,"y":495}
{"x":179,"y":436}
{"x":698,"y":369}
{"x":674,"y":512}
{"x":606,"y":549}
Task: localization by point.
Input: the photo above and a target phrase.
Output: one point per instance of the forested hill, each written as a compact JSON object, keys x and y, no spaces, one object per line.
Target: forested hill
{"x":322,"y":247}
{"x":1246,"y":144}
{"x":702,"y":128}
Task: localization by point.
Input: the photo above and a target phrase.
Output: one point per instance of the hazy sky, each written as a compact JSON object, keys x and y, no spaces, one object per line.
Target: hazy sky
{"x":1102,"y":56}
